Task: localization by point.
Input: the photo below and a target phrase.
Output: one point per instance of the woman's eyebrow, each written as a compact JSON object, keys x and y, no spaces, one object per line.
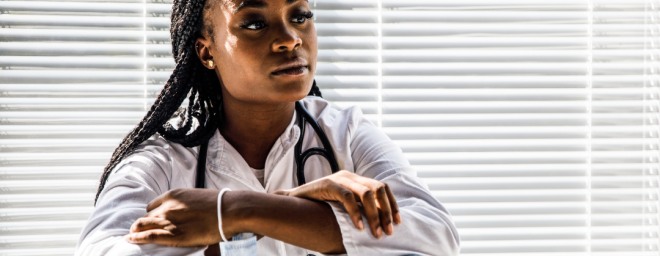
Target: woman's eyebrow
{"x":259,"y":4}
{"x":251,"y":4}
{"x":293,"y":1}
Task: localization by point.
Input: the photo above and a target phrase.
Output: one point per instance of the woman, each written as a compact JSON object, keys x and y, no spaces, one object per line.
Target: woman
{"x":242,"y":65}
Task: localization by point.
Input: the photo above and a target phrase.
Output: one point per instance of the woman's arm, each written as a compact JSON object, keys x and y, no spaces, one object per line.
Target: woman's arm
{"x":297,"y":221}
{"x":187,"y":217}
{"x":136,"y":181}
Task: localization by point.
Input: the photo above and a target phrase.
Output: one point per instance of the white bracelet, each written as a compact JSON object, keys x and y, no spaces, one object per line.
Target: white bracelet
{"x":222,"y":234}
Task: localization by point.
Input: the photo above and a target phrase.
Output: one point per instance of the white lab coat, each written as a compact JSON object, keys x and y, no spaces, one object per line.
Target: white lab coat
{"x":158,"y":166}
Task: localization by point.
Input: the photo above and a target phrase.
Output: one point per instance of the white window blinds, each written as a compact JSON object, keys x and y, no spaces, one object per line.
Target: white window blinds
{"x":534,"y":122}
{"x":75,"y":78}
{"x":531,"y":120}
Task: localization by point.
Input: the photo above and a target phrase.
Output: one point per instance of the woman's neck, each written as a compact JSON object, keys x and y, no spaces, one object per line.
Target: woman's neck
{"x":252,"y":129}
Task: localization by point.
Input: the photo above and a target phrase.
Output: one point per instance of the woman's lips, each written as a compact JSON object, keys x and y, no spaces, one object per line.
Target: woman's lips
{"x":292,"y":71}
{"x":291,"y":68}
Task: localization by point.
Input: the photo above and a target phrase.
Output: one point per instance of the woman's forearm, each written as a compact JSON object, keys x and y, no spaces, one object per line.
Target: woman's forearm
{"x":296,"y":221}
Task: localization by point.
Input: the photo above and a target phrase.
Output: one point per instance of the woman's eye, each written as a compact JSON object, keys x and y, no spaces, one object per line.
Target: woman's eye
{"x":254,"y":25}
{"x":301,"y":18}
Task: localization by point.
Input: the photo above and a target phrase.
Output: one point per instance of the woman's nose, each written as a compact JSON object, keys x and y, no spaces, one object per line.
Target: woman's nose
{"x":286,"y":39}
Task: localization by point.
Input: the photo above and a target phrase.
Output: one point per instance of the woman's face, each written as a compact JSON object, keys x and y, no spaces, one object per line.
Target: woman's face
{"x":264,"y":51}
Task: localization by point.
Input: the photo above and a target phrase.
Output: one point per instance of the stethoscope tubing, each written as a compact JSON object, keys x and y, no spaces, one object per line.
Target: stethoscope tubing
{"x":301,"y":157}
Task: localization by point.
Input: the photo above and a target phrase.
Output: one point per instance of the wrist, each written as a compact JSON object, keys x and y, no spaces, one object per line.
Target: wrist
{"x":236,"y":213}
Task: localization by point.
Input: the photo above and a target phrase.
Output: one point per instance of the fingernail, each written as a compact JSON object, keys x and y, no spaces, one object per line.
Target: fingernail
{"x":390,"y":229}
{"x":379,"y":232}
{"x":360,"y":225}
{"x":397,"y":218}
{"x":128,"y":238}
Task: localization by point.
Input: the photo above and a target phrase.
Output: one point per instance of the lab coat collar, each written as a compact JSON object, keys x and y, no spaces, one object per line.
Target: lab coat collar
{"x":222,"y":157}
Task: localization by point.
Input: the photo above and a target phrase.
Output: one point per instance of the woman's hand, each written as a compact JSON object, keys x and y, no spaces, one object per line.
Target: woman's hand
{"x":378,"y":202}
{"x":180,"y":218}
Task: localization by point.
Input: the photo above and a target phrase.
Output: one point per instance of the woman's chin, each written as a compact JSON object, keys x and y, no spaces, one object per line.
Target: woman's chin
{"x":291,"y":96}
{"x":293,"y":88}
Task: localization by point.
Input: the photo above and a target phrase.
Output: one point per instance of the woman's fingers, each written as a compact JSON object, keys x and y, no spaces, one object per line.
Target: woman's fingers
{"x":383,"y":199}
{"x":385,"y":210}
{"x":156,"y":236}
{"x":396,"y":215}
{"x":147,"y":223}
{"x":368,"y":199}
{"x":378,"y":202}
{"x":347,"y":197}
{"x":329,"y":190}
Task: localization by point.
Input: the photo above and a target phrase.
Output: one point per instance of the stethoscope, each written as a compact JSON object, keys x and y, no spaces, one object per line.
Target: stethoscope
{"x":302,"y":117}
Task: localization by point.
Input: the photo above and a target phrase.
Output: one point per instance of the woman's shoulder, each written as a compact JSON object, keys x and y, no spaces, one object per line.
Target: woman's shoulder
{"x":159,"y":145}
{"x":162,"y":153}
{"x":344,"y":126}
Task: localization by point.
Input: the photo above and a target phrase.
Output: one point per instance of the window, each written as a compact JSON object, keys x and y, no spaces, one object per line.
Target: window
{"x":534,"y":122}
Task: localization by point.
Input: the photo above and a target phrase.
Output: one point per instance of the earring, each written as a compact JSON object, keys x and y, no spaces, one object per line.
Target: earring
{"x":210,"y":63}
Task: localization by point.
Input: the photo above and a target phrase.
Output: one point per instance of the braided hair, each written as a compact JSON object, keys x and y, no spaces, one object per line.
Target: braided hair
{"x":190,"y":79}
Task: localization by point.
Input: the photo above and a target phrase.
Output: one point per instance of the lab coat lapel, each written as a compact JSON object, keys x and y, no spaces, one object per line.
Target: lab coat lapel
{"x":281,"y":174}
{"x":225,"y":166}
{"x":279,"y":163}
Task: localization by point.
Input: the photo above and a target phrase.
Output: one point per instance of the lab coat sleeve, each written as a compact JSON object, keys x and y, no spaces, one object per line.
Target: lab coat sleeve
{"x":426,"y":228}
{"x":137,"y":180}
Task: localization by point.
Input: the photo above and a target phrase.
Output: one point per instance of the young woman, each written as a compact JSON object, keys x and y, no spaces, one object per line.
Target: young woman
{"x":243,"y":65}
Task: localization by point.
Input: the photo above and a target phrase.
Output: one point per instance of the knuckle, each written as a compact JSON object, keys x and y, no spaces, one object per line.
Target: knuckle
{"x":385,"y":211}
{"x":355,"y":211}
{"x":381,"y":187}
{"x":347,"y":195}
{"x":367,"y":193}
{"x":151,"y":237}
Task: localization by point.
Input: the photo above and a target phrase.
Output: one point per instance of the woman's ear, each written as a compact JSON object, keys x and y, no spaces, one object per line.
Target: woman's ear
{"x":203,"y":52}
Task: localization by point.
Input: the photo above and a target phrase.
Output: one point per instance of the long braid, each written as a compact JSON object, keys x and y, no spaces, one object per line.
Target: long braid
{"x":189,"y":79}
{"x":185,"y":23}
